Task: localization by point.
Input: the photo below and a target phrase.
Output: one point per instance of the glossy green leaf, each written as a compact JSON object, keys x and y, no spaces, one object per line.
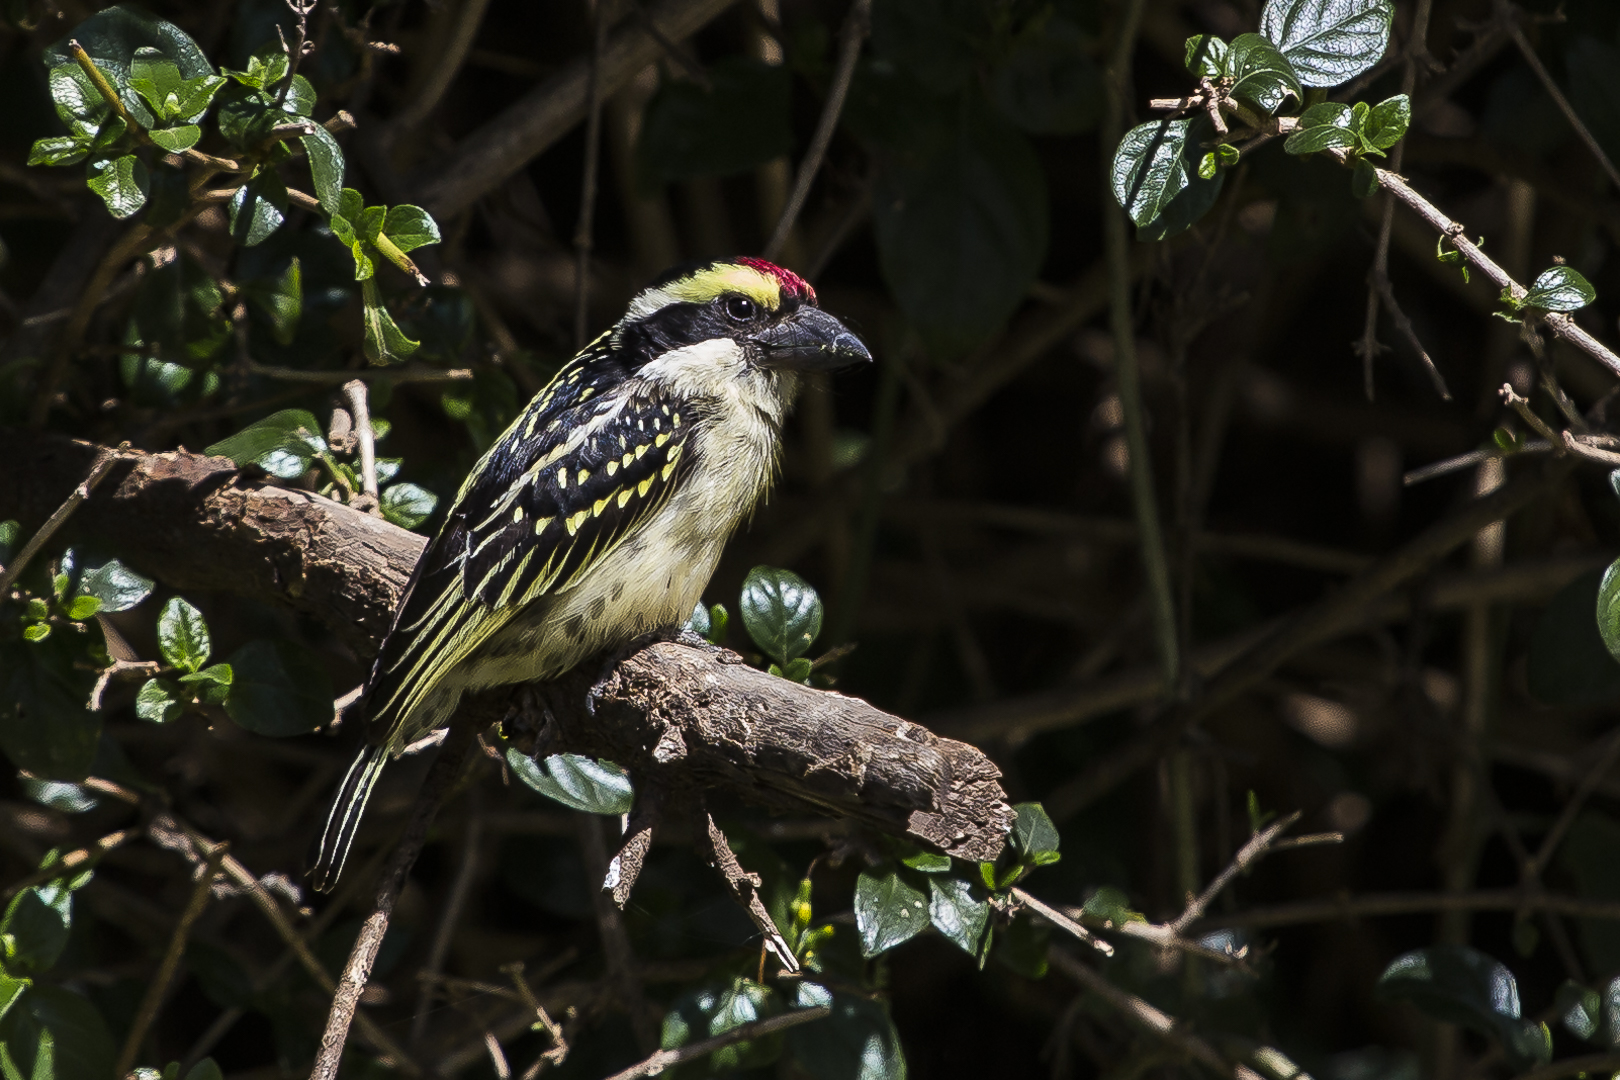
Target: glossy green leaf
{"x":1560,"y":289}
{"x":280,"y":301}
{"x":407,"y":505}
{"x":81,"y":608}
{"x":1388,"y":121}
{"x":710,"y":1011}
{"x":1462,"y":985}
{"x":121,"y":181}
{"x":159,"y":701}
{"x":857,"y":1041}
{"x":52,"y":1033}
{"x":1033,"y":835}
{"x":385,"y":342}
{"x":37,"y":632}
{"x":781,"y":612}
{"x":67,"y":798}
{"x":960,"y":910}
{"x":278,"y":688}
{"x":59,"y":150}
{"x":177,"y":316}
{"x":258,"y":208}
{"x":578,"y":782}
{"x":176,"y":139}
{"x":326,"y":166}
{"x":10,"y":990}
{"x":1154,"y":176}
{"x":183,"y":635}
{"x":1328,"y":42}
{"x":1206,"y":55}
{"x":1580,"y":1010}
{"x":888,"y":910}
{"x":1262,"y":77}
{"x":282,"y":444}
{"x":1364,"y":182}
{"x":79,"y":104}
{"x":1023,"y":946}
{"x":1608,"y":611}
{"x":410,"y":227}
{"x":928,"y":862}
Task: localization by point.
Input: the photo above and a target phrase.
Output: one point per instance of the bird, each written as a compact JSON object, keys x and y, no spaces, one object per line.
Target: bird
{"x":600,"y":513}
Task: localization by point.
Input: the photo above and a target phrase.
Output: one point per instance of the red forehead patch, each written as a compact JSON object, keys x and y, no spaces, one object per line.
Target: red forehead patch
{"x":791,"y":284}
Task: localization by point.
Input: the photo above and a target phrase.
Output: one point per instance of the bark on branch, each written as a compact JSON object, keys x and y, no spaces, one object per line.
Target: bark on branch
{"x":681,"y":719}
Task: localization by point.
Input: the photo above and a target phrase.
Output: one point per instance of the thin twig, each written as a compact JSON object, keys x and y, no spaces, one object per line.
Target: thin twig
{"x":614,"y":936}
{"x":1257,"y":847}
{"x":1522,"y":406}
{"x":357,"y":970}
{"x":588,"y":181}
{"x":1348,"y":908}
{"x":1511,"y":22}
{"x":559,"y":1043}
{"x":392,"y":375}
{"x":72,"y":862}
{"x":857,"y":24}
{"x":1139,"y":1012}
{"x":668,"y":1059}
{"x":355,"y":391}
{"x":745,"y":889}
{"x":1062,"y":921}
{"x":104,"y":463}
{"x":295,"y":53}
{"x":468,"y":20}
{"x":1606,"y":758}
{"x":159,"y":986}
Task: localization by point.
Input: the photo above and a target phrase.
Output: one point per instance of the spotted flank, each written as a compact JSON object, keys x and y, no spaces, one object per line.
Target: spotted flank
{"x":531,"y":522}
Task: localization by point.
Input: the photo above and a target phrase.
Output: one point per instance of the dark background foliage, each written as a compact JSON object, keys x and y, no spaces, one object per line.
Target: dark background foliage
{"x":963,"y":508}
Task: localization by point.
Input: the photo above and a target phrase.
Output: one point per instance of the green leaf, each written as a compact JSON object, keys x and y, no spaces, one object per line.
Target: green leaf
{"x":1110,"y":907}
{"x":1323,"y":125}
{"x":407,"y":505}
{"x":1461,"y":985}
{"x":1208,"y":166}
{"x":121,"y":182}
{"x":36,"y":923}
{"x":1580,"y":1010}
{"x":265,"y":68}
{"x":888,"y":910}
{"x":280,"y":300}
{"x":176,"y":139}
{"x":962,"y":227}
{"x":51,"y":1033}
{"x":959,"y":910}
{"x":1262,"y":77}
{"x":385,"y":342}
{"x":928,"y":862}
{"x":206,"y":1069}
{"x":326,"y":167}
{"x":183,"y":635}
{"x":159,"y":701}
{"x":742,"y":120}
{"x":176,"y":316}
{"x":10,"y":533}
{"x":67,"y":798}
{"x":1033,"y":834}
{"x":857,"y":1041}
{"x":707,"y":1012}
{"x":278,"y":688}
{"x":1206,"y":55}
{"x":1387,"y":121}
{"x":258,"y":208}
{"x":1364,"y":182}
{"x":10,"y":990}
{"x":580,"y":783}
{"x":59,"y":150}
{"x":282,"y":444}
{"x":410,"y":227}
{"x":1328,"y":42}
{"x":781,"y":612}
{"x":195,"y":95}
{"x":45,"y":726}
{"x":81,"y":608}
{"x":797,"y":670}
{"x":1608,"y":613}
{"x":157,"y":80}
{"x":346,"y":218}
{"x":37,"y":632}
{"x":1560,"y":289}
{"x":1154,"y":176}
{"x":79,"y":104}
{"x":699,"y":622}
{"x":216,"y":674}
{"x":1023,"y":946}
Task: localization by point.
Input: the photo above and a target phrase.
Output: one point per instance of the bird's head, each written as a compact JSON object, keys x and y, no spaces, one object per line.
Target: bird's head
{"x":738,"y":318}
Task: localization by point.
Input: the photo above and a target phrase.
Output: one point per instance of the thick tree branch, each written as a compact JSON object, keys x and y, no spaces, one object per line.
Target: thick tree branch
{"x":681,"y":719}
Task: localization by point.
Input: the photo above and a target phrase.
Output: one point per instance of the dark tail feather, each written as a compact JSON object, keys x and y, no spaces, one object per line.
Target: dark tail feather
{"x":343,"y":819}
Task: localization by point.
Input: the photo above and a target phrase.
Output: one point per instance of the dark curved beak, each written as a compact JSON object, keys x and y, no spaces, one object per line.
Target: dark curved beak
{"x":811,"y":340}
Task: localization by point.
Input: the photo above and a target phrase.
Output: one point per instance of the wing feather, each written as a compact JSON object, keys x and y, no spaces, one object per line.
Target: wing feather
{"x":584,"y":464}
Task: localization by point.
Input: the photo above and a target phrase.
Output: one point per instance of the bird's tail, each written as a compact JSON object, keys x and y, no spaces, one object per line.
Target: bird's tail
{"x":343,"y":819}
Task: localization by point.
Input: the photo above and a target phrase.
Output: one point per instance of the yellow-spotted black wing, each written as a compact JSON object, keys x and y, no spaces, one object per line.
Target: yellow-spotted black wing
{"x":557,"y":492}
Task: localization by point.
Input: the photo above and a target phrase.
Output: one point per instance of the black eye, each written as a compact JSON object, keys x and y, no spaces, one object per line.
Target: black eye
{"x":740,"y":308}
